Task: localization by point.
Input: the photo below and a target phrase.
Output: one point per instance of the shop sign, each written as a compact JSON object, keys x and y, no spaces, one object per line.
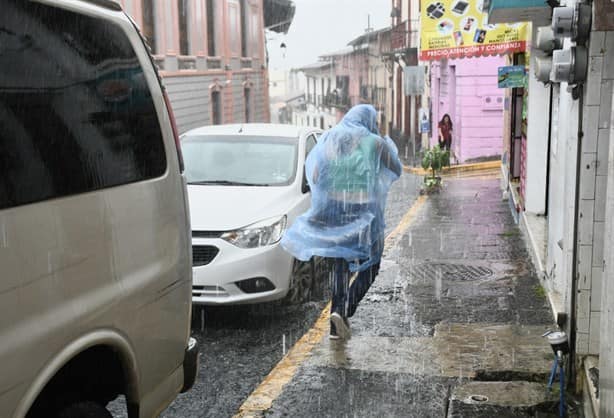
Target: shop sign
{"x":513,"y":76}
{"x":460,"y":29}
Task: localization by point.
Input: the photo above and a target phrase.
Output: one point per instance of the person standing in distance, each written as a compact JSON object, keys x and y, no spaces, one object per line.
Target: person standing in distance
{"x":445,"y":132}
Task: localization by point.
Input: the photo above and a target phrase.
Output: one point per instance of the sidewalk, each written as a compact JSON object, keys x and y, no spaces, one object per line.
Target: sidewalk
{"x":451,"y":328}
{"x":453,"y":169}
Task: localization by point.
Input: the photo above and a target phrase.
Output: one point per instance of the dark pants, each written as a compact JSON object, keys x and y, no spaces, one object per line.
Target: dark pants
{"x":445,"y":144}
{"x":346,"y":295}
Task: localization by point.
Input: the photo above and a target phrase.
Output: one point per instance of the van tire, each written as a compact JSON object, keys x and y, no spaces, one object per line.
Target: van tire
{"x":301,"y":282}
{"x":84,"y":409}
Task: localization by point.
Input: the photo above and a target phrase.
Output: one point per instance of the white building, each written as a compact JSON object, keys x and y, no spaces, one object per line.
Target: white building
{"x":320,"y":83}
{"x":564,"y":193}
{"x":286,"y":92}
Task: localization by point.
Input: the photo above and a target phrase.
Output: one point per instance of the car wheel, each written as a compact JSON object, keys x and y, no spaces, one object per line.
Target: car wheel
{"x":301,"y":282}
{"x":85,"y":409}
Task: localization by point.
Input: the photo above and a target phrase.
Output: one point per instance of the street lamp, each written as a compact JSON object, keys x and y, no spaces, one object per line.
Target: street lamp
{"x":283,"y":48}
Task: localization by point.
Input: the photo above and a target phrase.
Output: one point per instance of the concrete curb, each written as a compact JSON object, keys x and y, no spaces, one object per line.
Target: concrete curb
{"x":591,"y":392}
{"x":460,"y":168}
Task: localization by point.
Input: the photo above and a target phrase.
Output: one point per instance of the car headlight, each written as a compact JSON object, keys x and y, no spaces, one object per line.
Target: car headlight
{"x":260,"y":234}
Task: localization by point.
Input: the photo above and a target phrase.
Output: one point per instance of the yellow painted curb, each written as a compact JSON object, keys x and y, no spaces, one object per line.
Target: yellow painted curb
{"x":488,"y":165}
{"x":262,"y":398}
{"x":271,"y":387}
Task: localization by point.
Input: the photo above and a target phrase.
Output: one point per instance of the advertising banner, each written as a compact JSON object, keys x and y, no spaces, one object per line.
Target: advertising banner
{"x":459,"y":29}
{"x":513,"y":76}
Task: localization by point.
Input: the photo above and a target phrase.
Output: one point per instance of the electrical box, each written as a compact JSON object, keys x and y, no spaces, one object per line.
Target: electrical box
{"x":569,"y":65}
{"x":546,"y":41}
{"x":572,"y":22}
{"x":543,"y":68}
{"x":562,"y":21}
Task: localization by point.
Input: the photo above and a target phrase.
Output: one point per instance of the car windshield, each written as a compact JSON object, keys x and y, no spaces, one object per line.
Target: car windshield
{"x":242,"y":161}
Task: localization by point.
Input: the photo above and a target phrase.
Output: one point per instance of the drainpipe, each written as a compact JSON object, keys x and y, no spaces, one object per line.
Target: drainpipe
{"x":574,"y":268}
{"x":392,"y":98}
{"x":548,"y":154}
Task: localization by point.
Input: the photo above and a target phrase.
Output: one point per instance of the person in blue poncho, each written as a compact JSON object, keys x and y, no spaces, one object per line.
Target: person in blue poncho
{"x":349,"y":171}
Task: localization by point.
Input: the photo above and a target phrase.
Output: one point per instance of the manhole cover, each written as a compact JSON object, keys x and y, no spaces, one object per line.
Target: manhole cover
{"x":454,"y":272}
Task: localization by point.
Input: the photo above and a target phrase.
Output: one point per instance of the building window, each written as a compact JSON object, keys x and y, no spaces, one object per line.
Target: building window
{"x":234,"y":27}
{"x":244,"y":29}
{"x":149,"y":24}
{"x":182,"y":6}
{"x":210,"y":29}
{"x":248,"y":104}
{"x":216,"y":108}
{"x":255,"y":44}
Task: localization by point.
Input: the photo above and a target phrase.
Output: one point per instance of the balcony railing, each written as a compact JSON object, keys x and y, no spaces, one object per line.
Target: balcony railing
{"x":402,"y":37}
{"x":186,"y":62}
{"x":160,"y":61}
{"x":214,"y":63}
{"x":341,"y":101}
{"x":246,"y":63}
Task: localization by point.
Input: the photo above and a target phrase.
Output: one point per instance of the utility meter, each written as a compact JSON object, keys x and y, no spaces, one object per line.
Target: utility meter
{"x":569,"y":65}
{"x":543,"y":68}
{"x":559,"y":342}
{"x":562,"y":21}
{"x":546,"y":41}
{"x":572,"y":22}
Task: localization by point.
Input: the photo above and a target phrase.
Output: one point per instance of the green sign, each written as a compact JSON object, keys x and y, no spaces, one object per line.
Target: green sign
{"x":512,"y":76}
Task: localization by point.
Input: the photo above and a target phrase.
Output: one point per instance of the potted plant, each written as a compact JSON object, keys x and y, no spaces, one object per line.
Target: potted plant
{"x":433,"y":160}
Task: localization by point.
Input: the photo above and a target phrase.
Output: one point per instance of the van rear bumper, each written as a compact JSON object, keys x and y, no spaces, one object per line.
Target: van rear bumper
{"x":190,"y":364}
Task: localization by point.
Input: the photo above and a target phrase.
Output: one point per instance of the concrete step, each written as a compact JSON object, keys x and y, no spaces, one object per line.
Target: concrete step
{"x":591,"y":387}
{"x":502,"y":400}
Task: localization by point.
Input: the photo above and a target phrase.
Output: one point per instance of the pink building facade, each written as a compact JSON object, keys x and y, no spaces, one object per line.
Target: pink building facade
{"x":466,"y":89}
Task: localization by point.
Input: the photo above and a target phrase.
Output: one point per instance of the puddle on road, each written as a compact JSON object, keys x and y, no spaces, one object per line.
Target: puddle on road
{"x":456,"y":350}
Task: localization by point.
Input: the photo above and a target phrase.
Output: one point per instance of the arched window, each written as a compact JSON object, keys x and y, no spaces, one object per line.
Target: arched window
{"x":210,"y":29}
{"x":183,"y":10}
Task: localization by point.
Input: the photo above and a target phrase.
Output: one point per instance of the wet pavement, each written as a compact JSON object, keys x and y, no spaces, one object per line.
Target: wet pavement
{"x":456,"y":303}
{"x":242,"y":344}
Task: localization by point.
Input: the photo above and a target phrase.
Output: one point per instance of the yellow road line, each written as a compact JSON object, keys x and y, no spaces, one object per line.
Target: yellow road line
{"x":405,"y":222}
{"x":262,"y":398}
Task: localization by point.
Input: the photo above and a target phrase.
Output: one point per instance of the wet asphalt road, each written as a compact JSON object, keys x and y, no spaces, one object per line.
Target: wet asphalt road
{"x":242,"y":344}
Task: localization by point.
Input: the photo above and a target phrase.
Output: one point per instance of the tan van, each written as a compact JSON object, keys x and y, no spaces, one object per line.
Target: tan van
{"x":95,"y":256}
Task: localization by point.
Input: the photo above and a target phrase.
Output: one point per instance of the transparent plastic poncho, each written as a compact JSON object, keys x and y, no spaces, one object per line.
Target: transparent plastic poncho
{"x":349,"y":171}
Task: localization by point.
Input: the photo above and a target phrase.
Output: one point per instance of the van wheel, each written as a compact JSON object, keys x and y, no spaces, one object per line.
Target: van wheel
{"x":301,"y":282}
{"x":85,"y":409}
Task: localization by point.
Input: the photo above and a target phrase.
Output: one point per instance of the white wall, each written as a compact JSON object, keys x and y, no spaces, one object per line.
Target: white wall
{"x":606,"y":357}
{"x":537,"y":145}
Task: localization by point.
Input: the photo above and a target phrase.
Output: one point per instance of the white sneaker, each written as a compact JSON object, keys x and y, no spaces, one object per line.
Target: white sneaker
{"x":339,"y":327}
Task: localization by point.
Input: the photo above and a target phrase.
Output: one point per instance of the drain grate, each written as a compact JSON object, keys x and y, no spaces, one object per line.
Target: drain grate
{"x":454,"y":272}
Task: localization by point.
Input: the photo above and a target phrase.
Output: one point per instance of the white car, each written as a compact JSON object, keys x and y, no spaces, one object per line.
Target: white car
{"x":246,"y":185}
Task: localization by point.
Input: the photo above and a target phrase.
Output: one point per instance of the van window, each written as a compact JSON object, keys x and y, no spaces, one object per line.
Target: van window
{"x":76,"y":113}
